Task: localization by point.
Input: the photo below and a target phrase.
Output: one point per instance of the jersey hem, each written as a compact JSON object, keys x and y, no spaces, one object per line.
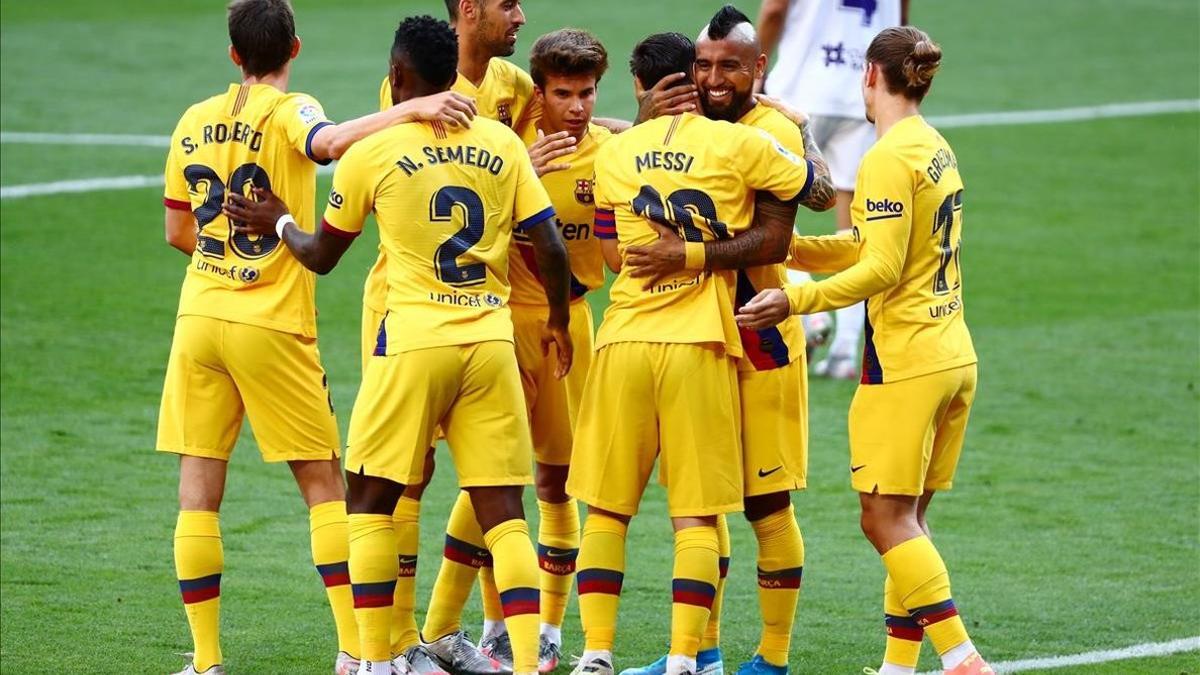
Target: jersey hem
{"x":290,"y":329}
{"x":935,"y":368}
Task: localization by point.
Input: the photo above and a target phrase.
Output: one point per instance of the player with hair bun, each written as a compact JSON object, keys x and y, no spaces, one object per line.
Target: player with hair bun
{"x":909,"y":415}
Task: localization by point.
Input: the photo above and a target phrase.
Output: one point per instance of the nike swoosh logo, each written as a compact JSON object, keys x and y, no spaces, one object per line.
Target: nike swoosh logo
{"x":764,"y":474}
{"x":856,"y":468}
{"x":407,"y":561}
{"x":558,"y":553}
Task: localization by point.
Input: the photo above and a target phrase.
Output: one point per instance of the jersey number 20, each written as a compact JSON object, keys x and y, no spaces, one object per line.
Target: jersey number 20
{"x":200,"y":177}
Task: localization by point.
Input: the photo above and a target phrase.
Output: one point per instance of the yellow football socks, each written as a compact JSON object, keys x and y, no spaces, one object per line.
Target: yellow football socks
{"x":373,"y":572}
{"x":558,"y":548}
{"x":199,"y":560}
{"x":601,"y":572}
{"x":516,"y":580}
{"x":462,"y":556}
{"x":693,"y":586}
{"x":489,"y":596}
{"x":904,"y":635}
{"x":923,"y":587}
{"x":712,"y":632}
{"x":780,"y":569}
{"x":404,"y":619}
{"x":328,"y":529}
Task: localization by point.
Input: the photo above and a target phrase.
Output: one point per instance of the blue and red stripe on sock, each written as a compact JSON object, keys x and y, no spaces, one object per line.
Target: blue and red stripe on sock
{"x":335,"y":574}
{"x":693,"y":592}
{"x":599,"y":580}
{"x":789,"y":578}
{"x":935,"y":613}
{"x":903,"y":628}
{"x":560,"y":561}
{"x":376,"y":594}
{"x":465,"y":553}
{"x":200,"y":588}
{"x":517,"y":601}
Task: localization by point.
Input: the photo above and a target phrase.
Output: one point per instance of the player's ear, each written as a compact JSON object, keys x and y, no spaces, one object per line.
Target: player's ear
{"x":760,"y":67}
{"x":538,"y":94}
{"x":295,"y":46}
{"x":235,"y":57}
{"x":638,"y":89}
{"x":468,"y":9}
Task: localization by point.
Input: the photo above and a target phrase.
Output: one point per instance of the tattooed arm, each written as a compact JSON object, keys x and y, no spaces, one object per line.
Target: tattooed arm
{"x":822,"y":196}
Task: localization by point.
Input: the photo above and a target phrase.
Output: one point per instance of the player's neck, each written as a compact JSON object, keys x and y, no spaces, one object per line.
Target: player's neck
{"x":277,"y":79}
{"x":472,"y":60}
{"x":890,"y":111}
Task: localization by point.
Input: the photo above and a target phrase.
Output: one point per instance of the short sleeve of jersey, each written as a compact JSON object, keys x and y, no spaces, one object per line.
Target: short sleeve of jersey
{"x":884,"y":192}
{"x":352,"y":196}
{"x":532,"y":204}
{"x":768,"y":166}
{"x":302,"y":118}
{"x":175,"y":195}
{"x":385,"y":94}
{"x":605,"y":226}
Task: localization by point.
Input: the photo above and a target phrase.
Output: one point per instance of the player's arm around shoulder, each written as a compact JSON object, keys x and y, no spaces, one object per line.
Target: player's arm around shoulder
{"x":331,"y":140}
{"x":822,"y":195}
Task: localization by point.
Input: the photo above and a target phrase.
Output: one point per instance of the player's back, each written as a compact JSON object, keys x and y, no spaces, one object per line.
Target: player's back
{"x":446,"y":201}
{"x":699,"y":176}
{"x":917,"y":326}
{"x":250,"y":136}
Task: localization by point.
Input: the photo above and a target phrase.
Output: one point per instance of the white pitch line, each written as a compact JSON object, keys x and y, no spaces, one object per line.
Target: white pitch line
{"x":1140,"y":109}
{"x":1137,"y":109}
{"x":84,"y":139}
{"x":1144,"y":650}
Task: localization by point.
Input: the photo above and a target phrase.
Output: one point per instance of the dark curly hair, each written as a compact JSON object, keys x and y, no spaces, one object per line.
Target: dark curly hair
{"x":567,"y":52}
{"x":261,"y":32}
{"x":660,"y":55}
{"x":430,"y":47}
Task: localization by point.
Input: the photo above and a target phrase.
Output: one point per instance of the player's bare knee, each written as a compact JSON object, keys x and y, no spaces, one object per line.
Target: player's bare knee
{"x":685,"y":522}
{"x":319,"y":481}
{"x":417,"y":490}
{"x":497,"y":504}
{"x":371,"y":494}
{"x":596,"y":511}
{"x":201,"y":483}
{"x":761,"y":506}
{"x":551,"y":483}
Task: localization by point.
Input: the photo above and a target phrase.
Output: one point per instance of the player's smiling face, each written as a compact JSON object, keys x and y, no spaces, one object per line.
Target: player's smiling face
{"x":567,"y":102}
{"x":499,"y":23}
{"x":725,"y":72}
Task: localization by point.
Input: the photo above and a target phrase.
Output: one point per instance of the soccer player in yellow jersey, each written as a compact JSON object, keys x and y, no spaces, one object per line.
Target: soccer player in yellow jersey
{"x":664,"y":381}
{"x":771,"y":375}
{"x":909,"y":415}
{"x":245,"y":337}
{"x":447,"y":204}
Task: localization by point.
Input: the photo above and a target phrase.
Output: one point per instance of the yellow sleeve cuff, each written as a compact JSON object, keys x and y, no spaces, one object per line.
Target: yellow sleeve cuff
{"x":796,"y":297}
{"x":694,"y":256}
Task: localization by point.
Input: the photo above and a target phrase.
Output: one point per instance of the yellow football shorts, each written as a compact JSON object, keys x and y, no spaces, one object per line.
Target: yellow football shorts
{"x":553,"y":404}
{"x":906,"y":437}
{"x":647,"y":400}
{"x":220,"y":370}
{"x":775,"y":428}
{"x":473,"y":391}
{"x":371,"y":321}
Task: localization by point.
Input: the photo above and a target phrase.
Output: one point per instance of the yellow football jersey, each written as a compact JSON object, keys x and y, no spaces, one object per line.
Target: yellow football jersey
{"x":575,"y":212}
{"x":908,"y":212}
{"x":504,"y":95}
{"x":699,"y":176}
{"x":776,"y":346}
{"x":447,"y":202}
{"x":252,"y":135}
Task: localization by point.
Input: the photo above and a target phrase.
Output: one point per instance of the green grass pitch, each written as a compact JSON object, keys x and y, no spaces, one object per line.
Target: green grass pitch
{"x":1075,"y":524}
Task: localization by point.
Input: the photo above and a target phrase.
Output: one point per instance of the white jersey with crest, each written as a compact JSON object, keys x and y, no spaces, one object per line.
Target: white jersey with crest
{"x":819,"y":62}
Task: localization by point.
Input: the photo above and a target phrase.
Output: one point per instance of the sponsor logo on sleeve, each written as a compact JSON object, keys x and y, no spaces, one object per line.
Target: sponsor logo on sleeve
{"x":310,"y":114}
{"x":881,"y":209}
{"x":335,"y":199}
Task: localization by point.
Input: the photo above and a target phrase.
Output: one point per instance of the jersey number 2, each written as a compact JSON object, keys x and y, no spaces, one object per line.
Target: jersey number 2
{"x":445,"y":259}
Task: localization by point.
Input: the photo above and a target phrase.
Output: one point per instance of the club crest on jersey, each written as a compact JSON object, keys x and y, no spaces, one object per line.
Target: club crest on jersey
{"x":583,"y":191}
{"x":504,"y":114}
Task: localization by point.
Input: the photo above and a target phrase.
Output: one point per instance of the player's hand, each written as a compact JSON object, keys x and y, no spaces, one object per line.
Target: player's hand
{"x":449,"y":107}
{"x":797,"y":117}
{"x":655,"y":262}
{"x":671,"y":96}
{"x":557,"y":334}
{"x":254,"y":216}
{"x":764,"y":310}
{"x":546,"y":149}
